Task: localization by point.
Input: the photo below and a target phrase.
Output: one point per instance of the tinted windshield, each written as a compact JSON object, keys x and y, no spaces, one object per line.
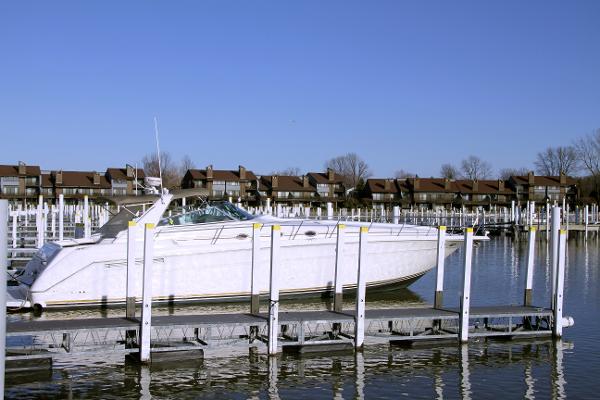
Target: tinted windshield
{"x":213,"y":212}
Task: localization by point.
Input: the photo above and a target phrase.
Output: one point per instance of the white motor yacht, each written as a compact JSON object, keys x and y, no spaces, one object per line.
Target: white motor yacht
{"x":205,"y":254}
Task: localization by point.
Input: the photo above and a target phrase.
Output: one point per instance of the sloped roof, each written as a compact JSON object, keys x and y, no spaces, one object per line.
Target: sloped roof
{"x":377,"y":185}
{"x":483,"y":186}
{"x":83,"y":179}
{"x":286,"y":183}
{"x":323,"y":177}
{"x":542,"y":180}
{"x":13,"y":170}
{"x":121,"y":173}
{"x":433,"y":185}
{"x":221,"y":175}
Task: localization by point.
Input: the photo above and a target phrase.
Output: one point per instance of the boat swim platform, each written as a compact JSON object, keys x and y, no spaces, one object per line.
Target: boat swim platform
{"x":297,"y":328}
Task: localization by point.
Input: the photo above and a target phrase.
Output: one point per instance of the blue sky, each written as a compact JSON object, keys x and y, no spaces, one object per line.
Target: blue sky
{"x":276,"y":84}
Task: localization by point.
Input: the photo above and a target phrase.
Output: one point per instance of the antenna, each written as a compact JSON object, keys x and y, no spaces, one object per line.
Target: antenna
{"x":158,"y":154}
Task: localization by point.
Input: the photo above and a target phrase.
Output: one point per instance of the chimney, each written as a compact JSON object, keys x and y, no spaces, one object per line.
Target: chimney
{"x":447,"y":185}
{"x":242,"y":172}
{"x":209,"y":172}
{"x":274,"y":182}
{"x":22,"y":168}
{"x":475,"y":187}
{"x":563,"y":179}
{"x":500,"y":185}
{"x":58,"y":178}
{"x":96,"y":178}
{"x":416,"y":183}
{"x":305,"y":181}
{"x":129,"y":170}
{"x":531,"y":179}
{"x":330,"y":174}
{"x":386,"y":185}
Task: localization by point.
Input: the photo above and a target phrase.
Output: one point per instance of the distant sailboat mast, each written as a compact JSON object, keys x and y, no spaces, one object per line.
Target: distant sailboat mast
{"x":158,"y":154}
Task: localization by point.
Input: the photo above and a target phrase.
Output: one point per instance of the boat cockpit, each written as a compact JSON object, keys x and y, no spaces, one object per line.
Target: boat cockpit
{"x":220,"y":211}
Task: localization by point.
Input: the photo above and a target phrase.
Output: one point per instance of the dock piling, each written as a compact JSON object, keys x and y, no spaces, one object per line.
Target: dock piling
{"x":130,"y":280}
{"x":61,"y":216}
{"x":555,"y":234}
{"x":274,"y":289}
{"x":560,"y":283}
{"x":254,"y":289}
{"x":3,"y":283}
{"x":146,"y":327}
{"x":465,"y":301}
{"x":441,"y":256}
{"x":530,"y":261}
{"x":339,"y":266}
{"x":359,"y":326}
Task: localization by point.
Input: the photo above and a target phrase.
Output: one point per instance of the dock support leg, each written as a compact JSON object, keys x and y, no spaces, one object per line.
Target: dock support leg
{"x":465,"y":301}
{"x":146,"y":328}
{"x":3,"y":266}
{"x":529,"y":272}
{"x":61,"y":216}
{"x":560,"y":284}
{"x":339,"y":266}
{"x":254,"y":289}
{"x":87,"y":232}
{"x":274,"y":290}
{"x":359,"y":326}
{"x":554,"y":233}
{"x":441,"y":257}
{"x":130,"y":282}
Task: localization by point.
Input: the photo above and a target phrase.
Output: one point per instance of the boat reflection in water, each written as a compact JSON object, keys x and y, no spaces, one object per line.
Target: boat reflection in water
{"x":425,"y":373}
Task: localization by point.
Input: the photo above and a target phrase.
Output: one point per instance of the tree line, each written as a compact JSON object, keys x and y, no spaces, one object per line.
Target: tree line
{"x":581,"y":157}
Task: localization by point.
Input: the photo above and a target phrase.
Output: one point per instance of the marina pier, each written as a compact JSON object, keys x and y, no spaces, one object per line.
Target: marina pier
{"x":267,"y":330}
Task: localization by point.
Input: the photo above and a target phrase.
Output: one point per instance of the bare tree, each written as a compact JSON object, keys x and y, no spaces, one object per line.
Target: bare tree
{"x":353,"y":168}
{"x":290,"y":171}
{"x":474,"y":167}
{"x":170,"y":174}
{"x":587,"y":149}
{"x":556,"y":160}
{"x":186,"y":164}
{"x":403,"y":174}
{"x":506,"y":173}
{"x":448,"y":171}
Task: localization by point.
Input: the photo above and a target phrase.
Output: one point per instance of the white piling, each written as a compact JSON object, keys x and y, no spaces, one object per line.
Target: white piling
{"x":560,"y":283}
{"x":586,"y":218}
{"x":38,"y":222}
{"x":15,"y":220}
{"x":339,"y":266}
{"x":3,"y":282}
{"x":254,"y":288}
{"x":61,"y":217}
{"x":441,"y":257}
{"x":529,"y":271}
{"x":329,"y":210}
{"x":130,"y":284}
{"x":274,"y":289}
{"x":555,"y":234}
{"x":396,"y":214}
{"x":465,"y":302}
{"x":359,"y":326}
{"x":146,"y":327}
{"x":87,"y":232}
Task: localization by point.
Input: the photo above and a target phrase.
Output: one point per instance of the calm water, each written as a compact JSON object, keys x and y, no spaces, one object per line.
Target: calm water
{"x":540,"y":368}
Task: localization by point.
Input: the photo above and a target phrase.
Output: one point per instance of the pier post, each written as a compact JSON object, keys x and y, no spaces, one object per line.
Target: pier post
{"x":61,"y":216}
{"x":554,"y":233}
{"x":339,"y":266}
{"x":254,"y":289}
{"x":560,"y":284}
{"x":146,"y":327}
{"x":465,"y":301}
{"x":86,"y":217}
{"x":529,"y":271}
{"x":359,"y":326}
{"x":329,"y":210}
{"x":274,"y":290}
{"x":130,"y":285}
{"x":39,"y":216}
{"x":586,"y":217}
{"x":3,"y":267}
{"x":441,"y":257}
{"x":396,"y":214}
